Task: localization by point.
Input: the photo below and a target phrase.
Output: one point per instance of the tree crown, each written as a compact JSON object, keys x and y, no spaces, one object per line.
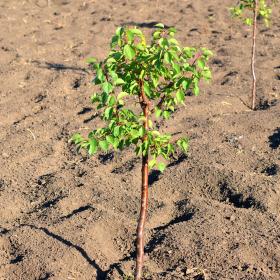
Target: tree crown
{"x":244,"y":10}
{"x":163,"y":71}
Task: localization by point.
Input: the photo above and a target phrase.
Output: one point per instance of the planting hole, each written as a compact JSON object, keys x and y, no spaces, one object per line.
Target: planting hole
{"x":237,"y":199}
{"x":271,"y":170}
{"x":274,"y":139}
{"x":17,"y":259}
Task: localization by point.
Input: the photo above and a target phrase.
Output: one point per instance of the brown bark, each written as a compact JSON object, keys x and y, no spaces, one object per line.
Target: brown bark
{"x":253,"y":55}
{"x":144,"y":192}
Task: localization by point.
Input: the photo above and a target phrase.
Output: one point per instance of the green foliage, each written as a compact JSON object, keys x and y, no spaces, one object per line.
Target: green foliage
{"x":164,"y":70}
{"x":244,"y":9}
{"x":128,"y":277}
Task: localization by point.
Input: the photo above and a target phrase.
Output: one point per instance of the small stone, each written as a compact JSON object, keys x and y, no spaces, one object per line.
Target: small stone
{"x":5,"y":155}
{"x":232,"y":218}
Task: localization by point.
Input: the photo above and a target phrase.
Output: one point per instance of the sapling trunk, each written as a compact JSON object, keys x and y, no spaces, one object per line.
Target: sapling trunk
{"x":144,"y":191}
{"x":253,"y":55}
{"x":142,"y":219}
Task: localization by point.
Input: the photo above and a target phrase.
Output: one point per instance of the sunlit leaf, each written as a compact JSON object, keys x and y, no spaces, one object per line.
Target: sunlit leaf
{"x":161,"y":166}
{"x":122,"y":94}
{"x":107,"y":87}
{"x":92,"y":146}
{"x":129,"y":52}
{"x":180,"y":95}
{"x":159,"y":25}
{"x":104,"y":145}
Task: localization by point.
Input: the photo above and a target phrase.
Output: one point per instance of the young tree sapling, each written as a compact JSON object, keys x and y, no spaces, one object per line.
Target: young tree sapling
{"x":154,"y":78}
{"x":249,"y":11}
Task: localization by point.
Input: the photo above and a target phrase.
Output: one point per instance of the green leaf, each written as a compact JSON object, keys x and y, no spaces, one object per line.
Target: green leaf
{"x":156,"y":34}
{"x":110,"y":139}
{"x":110,"y":61}
{"x":159,"y":25}
{"x":173,"y":41}
{"x":189,"y":52}
{"x":116,"y":143}
{"x":161,"y":166}
{"x":155,"y":81}
{"x":104,"y":145}
{"x":186,"y":84}
{"x":138,"y":150}
{"x":122,"y":94}
{"x":130,"y":36}
{"x":117,"y":55}
{"x":201,"y":63}
{"x":177,"y":68}
{"x":206,"y":73}
{"x":104,"y":97}
{"x":111,"y":100}
{"x":116,"y":131}
{"x":155,"y":132}
{"x":136,"y":31}
{"x":119,"y":31}
{"x":163,"y":43}
{"x":77,"y":138}
{"x":180,"y":95}
{"x":91,"y":60}
{"x":147,"y":89}
{"x":108,"y":113}
{"x":142,"y":73}
{"x":152,"y":163}
{"x":121,"y":144}
{"x":107,"y":87}
{"x":114,"y":41}
{"x":166,"y":114}
{"x":167,"y":57}
{"x":129,"y":52}
{"x":196,"y":89}
{"x":183,"y":143}
{"x":95,"y":98}
{"x":92,"y":146}
{"x":140,"y":47}
{"x":248,"y":21}
{"x":158,"y":112}
{"x":207,"y":52}
{"x":145,"y":147}
{"x":172,"y":30}
{"x":141,"y":131}
{"x":134,"y":134}
{"x":99,"y":74}
{"x":119,"y":81}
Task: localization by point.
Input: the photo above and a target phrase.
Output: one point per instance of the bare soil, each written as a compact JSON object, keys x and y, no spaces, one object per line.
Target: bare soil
{"x":213,"y":215}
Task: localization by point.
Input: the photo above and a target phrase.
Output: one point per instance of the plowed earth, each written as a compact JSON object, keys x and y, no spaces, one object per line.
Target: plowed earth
{"x":212,"y":215}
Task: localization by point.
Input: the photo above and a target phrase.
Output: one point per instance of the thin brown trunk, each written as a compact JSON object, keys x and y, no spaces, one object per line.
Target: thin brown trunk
{"x":253,"y":55}
{"x":144,"y":192}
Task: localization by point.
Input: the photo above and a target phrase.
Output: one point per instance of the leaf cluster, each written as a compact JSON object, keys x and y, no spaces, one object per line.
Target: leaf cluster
{"x":244,"y":10}
{"x":164,"y":71}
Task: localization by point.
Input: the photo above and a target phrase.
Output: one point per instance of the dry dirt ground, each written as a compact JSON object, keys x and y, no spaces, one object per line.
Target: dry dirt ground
{"x":213,"y":215}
